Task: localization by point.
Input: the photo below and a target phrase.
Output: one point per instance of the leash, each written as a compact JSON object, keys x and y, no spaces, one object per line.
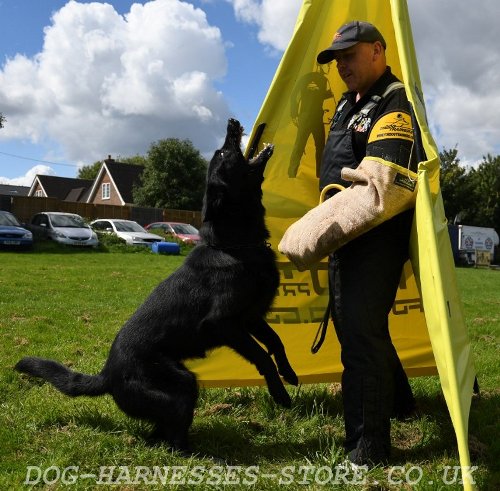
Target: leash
{"x":321,"y":332}
{"x":323,"y":325}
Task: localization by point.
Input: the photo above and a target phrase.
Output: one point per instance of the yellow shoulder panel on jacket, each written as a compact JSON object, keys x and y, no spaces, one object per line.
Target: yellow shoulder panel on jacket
{"x":392,"y":125}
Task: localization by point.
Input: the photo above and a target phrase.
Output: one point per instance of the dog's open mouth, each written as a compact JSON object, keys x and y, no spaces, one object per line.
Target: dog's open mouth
{"x":233,"y":140}
{"x":234,"y":132}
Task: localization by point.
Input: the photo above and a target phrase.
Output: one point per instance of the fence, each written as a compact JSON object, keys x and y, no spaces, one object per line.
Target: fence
{"x":24,"y":207}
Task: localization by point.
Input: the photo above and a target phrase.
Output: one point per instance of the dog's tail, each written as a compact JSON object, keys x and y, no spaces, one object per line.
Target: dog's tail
{"x":68,"y":382}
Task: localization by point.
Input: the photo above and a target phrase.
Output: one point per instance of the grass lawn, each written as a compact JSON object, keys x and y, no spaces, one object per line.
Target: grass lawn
{"x":68,"y":305}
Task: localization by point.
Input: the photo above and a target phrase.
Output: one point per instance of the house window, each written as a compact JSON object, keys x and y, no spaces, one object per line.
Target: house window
{"x":39,"y":193}
{"x":106,"y":190}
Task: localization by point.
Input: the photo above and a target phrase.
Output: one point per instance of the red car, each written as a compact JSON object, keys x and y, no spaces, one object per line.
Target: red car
{"x":182,"y":231}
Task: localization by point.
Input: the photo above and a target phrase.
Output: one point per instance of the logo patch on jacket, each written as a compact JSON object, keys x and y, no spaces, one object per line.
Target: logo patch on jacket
{"x":405,"y":182}
{"x":392,"y":125}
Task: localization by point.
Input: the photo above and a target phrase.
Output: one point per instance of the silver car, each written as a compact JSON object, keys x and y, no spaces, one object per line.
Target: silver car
{"x":65,"y":228}
{"x":131,"y":232}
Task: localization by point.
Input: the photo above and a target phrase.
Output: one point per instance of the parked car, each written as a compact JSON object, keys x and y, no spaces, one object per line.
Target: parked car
{"x":182,"y":231}
{"x":64,"y":228}
{"x":131,"y":232}
{"x":12,"y":232}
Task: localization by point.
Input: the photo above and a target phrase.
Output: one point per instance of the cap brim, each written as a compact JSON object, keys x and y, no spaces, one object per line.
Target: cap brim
{"x":327,"y":55}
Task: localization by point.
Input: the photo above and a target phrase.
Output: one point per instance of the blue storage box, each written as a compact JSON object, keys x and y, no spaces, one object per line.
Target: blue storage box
{"x":166,"y":248}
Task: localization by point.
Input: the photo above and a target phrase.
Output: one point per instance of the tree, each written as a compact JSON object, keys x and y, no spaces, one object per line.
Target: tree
{"x":473,"y":194}
{"x":89,"y":171}
{"x":135,"y":160}
{"x":455,"y":186}
{"x":2,"y":120}
{"x":485,"y":182}
{"x":174,"y":176}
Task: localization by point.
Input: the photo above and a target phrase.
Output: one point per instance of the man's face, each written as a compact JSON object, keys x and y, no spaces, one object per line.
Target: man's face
{"x":356,"y":66}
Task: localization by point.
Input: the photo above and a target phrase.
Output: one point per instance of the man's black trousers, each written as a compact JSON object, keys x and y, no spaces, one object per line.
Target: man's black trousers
{"x":364,"y":276}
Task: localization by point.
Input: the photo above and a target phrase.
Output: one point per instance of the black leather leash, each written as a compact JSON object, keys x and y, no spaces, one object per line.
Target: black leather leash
{"x":321,"y":332}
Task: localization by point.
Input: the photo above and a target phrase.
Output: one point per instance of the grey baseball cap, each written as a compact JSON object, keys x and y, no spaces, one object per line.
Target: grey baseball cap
{"x":349,"y":35}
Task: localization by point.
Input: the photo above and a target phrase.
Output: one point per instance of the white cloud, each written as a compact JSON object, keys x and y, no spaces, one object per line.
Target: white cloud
{"x":274,"y":18}
{"x":111,"y":84}
{"x":28,"y":178}
{"x":459,"y":62}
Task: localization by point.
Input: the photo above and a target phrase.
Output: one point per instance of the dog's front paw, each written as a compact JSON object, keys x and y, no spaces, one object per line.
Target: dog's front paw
{"x":267,"y":151}
{"x":263,"y":156}
{"x":285,"y":369}
{"x":289,"y":375}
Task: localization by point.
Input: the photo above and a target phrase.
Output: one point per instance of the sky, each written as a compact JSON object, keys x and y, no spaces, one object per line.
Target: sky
{"x":82,"y":80}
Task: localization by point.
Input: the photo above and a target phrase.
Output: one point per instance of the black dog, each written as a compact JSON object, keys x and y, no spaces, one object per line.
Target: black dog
{"x":219,"y":297}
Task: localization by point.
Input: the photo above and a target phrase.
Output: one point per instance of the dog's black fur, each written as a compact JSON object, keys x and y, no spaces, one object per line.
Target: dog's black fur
{"x":219,"y":297}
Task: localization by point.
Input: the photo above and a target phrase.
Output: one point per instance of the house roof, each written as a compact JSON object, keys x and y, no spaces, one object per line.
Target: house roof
{"x":78,"y":194}
{"x":125,"y":176}
{"x":63,"y":188}
{"x":14,"y":190}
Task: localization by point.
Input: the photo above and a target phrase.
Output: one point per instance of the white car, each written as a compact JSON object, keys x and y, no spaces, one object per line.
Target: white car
{"x":65,"y":228}
{"x":131,"y":232}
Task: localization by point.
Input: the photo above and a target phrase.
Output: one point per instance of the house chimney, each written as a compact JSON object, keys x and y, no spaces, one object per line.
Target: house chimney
{"x":109,"y":160}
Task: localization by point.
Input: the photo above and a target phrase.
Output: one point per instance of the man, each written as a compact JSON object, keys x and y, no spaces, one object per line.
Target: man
{"x":365,"y":231}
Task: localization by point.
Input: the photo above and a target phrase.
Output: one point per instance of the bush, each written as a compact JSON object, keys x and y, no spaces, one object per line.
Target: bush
{"x":113,"y":243}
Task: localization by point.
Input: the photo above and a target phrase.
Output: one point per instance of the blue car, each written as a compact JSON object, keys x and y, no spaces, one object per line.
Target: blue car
{"x":12,"y":234}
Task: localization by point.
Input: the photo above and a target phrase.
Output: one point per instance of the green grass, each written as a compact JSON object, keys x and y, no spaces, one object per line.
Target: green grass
{"x":68,"y":304}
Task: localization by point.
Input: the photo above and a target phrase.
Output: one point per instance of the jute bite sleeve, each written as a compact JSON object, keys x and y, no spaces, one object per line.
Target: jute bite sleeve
{"x":379,"y":191}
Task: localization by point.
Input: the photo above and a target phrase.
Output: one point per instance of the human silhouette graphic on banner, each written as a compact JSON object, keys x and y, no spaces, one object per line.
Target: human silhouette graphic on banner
{"x":307,"y":112}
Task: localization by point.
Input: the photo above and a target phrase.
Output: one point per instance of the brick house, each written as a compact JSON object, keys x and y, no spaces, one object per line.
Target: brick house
{"x":114,"y":183}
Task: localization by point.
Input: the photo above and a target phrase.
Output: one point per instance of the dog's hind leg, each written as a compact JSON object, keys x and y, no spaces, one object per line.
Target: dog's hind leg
{"x":168,"y":405}
{"x":246,"y":346}
{"x":264,"y":333}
